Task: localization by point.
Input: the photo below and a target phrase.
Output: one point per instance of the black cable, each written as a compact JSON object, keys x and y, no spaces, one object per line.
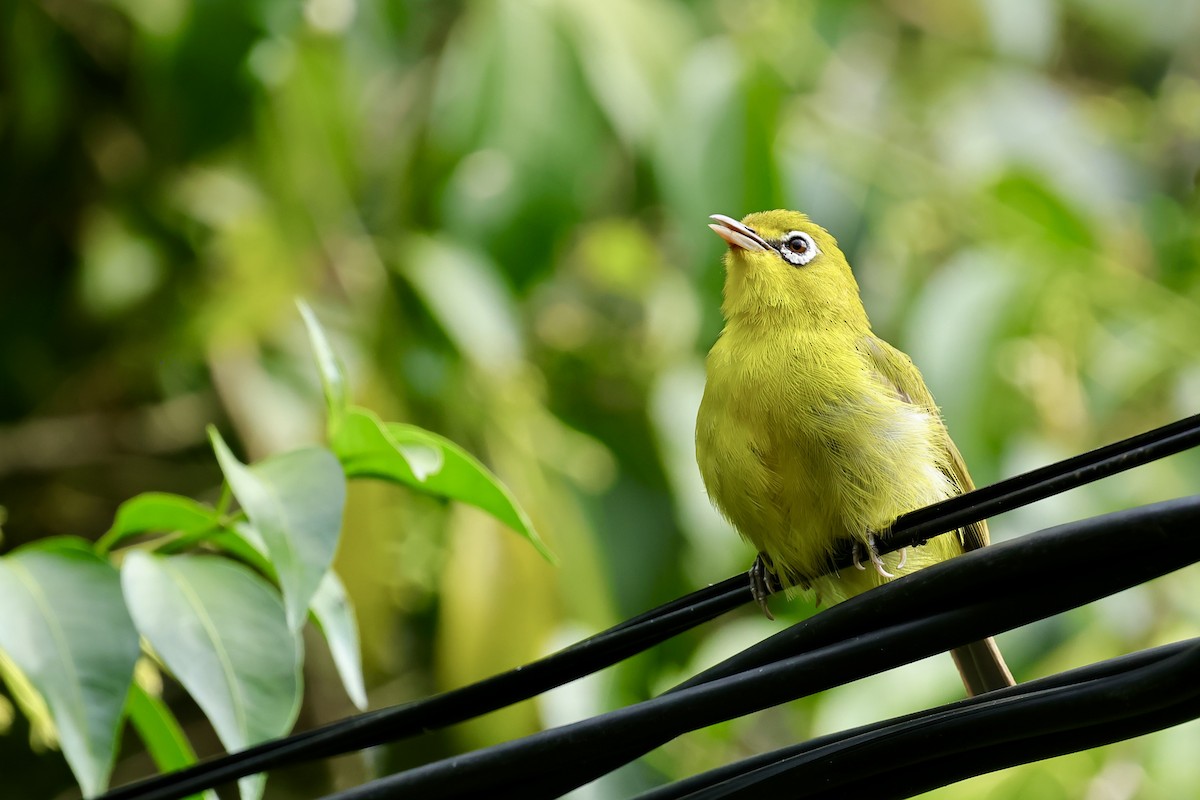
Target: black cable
{"x":1029,"y":487}
{"x":726,"y":775}
{"x":456,"y":705}
{"x":1083,"y":708}
{"x":640,"y":633}
{"x":979,"y":594}
{"x":1095,"y":552}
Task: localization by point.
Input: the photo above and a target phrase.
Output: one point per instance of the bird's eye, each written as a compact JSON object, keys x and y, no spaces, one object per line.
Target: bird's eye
{"x":798,"y":248}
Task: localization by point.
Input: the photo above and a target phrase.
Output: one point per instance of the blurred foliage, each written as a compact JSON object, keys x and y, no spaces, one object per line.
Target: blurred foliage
{"x":499,"y":207}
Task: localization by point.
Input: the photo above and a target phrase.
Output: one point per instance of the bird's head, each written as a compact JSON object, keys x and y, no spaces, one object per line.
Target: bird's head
{"x":782,"y":264}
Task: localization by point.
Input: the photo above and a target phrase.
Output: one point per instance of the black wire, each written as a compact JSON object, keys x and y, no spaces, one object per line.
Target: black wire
{"x":1029,"y":487}
{"x":640,"y":633}
{"x":1090,"y":558}
{"x":978,"y":594}
{"x":726,"y":775}
{"x":457,"y":705}
{"x":1083,"y":708}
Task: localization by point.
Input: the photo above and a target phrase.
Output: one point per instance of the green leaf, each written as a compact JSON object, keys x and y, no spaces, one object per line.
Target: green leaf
{"x":1029,"y":194}
{"x":157,"y":511}
{"x":65,"y":627}
{"x":465,"y":294}
{"x":222,"y":631}
{"x":429,"y":463}
{"x":333,"y":377}
{"x":334,"y":616}
{"x":330,"y":607}
{"x":162,"y":735}
{"x":246,"y":544}
{"x":294,"y":501}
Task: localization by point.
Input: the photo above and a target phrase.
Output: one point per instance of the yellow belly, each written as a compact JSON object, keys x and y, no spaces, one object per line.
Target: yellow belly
{"x":796,"y":469}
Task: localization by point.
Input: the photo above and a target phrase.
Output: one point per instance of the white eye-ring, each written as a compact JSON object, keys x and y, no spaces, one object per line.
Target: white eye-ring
{"x":798,"y":248}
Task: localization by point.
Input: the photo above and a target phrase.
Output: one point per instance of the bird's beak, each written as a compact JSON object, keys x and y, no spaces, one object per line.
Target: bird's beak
{"x":737,"y":234}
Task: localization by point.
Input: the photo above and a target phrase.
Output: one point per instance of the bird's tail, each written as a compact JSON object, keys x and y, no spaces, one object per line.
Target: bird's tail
{"x":982,"y":667}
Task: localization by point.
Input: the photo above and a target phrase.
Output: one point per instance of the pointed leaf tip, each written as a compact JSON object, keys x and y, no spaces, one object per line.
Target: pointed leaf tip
{"x":333,"y":375}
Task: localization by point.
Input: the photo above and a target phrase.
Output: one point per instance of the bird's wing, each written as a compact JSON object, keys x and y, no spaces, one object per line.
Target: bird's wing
{"x":897,"y":369}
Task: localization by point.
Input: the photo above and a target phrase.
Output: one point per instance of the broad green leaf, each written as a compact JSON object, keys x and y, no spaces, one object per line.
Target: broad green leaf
{"x":65,"y":627}
{"x":222,"y":631}
{"x":294,"y":501}
{"x":165,"y":740}
{"x":429,"y":463}
{"x":245,"y":543}
{"x":366,"y":450}
{"x":333,"y":377}
{"x":330,"y":607}
{"x":157,"y":511}
{"x":335,"y":618}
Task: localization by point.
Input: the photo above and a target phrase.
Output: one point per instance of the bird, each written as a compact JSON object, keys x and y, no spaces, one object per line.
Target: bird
{"x":813,"y":431}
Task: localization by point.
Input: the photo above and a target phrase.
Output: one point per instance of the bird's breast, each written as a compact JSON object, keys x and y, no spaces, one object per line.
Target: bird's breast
{"x":800,"y":447}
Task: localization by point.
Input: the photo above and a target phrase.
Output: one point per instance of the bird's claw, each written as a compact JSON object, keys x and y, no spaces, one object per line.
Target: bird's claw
{"x":763,"y":583}
{"x":871,"y":548}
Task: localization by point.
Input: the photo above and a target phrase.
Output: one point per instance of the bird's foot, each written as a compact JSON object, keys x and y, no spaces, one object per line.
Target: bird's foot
{"x":763,"y":583}
{"x":871,"y":551}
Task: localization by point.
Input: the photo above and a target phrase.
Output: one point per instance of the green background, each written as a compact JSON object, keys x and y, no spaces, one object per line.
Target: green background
{"x":498,"y":209}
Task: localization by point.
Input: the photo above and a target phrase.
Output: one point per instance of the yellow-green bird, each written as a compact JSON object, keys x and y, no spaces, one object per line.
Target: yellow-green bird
{"x":813,"y":430}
